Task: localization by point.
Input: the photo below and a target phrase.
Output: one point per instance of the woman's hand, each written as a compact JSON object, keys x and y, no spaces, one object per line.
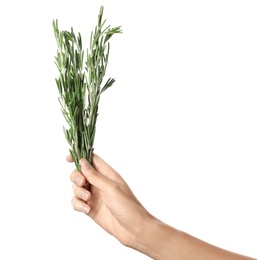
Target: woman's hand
{"x":108,"y":200}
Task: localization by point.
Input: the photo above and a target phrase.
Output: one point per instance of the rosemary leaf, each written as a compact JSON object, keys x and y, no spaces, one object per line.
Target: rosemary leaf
{"x":80,"y":83}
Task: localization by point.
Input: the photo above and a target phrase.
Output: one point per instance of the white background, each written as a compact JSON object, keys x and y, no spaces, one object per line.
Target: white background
{"x":179,"y":124}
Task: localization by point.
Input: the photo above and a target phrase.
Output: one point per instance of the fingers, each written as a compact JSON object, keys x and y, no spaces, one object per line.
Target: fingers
{"x":100,"y":176}
{"x":69,"y":158}
{"x":102,"y":167}
{"x":81,"y":193}
{"x":95,"y":178}
{"x":105,"y":169}
{"x":79,"y":205}
{"x":77,"y":178}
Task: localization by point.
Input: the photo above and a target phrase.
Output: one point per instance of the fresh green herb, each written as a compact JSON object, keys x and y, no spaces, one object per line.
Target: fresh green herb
{"x":80,"y":84}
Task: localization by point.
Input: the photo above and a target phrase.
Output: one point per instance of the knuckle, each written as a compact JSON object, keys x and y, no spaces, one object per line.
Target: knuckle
{"x":73,"y":175}
{"x":74,"y":202}
{"x":74,"y":188}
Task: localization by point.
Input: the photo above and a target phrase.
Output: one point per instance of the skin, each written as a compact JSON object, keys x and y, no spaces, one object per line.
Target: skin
{"x":109,"y":201}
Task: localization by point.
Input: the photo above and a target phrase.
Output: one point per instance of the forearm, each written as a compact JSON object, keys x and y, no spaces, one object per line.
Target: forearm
{"x":162,"y":242}
{"x":157,"y":240}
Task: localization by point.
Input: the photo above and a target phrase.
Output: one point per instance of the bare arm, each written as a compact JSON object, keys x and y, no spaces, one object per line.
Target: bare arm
{"x":111,"y":204}
{"x":165,"y":242}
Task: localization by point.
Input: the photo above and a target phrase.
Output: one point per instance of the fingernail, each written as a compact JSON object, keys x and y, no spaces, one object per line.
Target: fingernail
{"x":85,"y":195}
{"x":85,"y":209}
{"x":79,"y":180}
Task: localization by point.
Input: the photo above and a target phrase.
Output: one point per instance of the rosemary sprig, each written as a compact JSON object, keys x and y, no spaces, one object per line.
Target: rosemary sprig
{"x":80,"y":84}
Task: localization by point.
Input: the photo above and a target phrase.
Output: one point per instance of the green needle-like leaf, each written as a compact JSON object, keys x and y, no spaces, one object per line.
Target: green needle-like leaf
{"x":79,"y":83}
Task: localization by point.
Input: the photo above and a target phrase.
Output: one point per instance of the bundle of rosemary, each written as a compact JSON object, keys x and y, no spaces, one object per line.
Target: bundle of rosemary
{"x":80,"y":84}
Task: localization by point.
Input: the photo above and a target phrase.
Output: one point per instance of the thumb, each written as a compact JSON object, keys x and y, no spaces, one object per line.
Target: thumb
{"x":93,"y":177}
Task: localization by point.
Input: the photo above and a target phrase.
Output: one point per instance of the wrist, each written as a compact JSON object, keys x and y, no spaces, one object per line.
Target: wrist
{"x":156,"y":239}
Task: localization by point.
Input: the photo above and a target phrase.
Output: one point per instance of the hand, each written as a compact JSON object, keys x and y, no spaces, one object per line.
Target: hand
{"x":108,"y":201}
